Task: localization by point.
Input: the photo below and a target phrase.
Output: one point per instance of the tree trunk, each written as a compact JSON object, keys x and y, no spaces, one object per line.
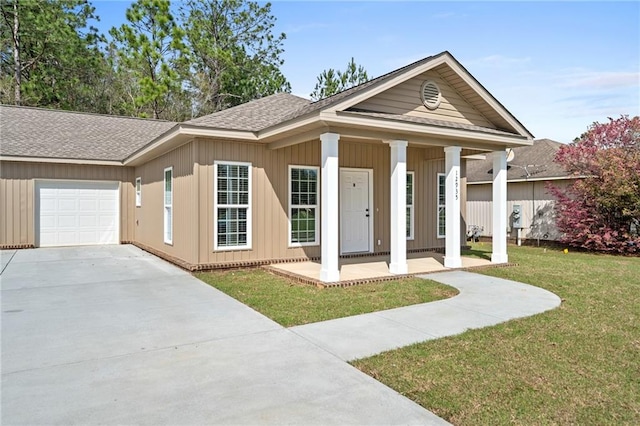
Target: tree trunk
{"x":16,"y":55}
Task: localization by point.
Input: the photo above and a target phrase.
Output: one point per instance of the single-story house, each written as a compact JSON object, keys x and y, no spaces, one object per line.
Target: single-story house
{"x":368,"y":170}
{"x":529,"y":169}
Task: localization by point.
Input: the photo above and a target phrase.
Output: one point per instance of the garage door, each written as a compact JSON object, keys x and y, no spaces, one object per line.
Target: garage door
{"x":77,"y":213}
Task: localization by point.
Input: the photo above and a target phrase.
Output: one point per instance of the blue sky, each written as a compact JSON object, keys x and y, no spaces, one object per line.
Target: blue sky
{"x":557,"y":66}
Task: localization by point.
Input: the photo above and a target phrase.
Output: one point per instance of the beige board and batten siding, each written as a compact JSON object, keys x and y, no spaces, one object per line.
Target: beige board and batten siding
{"x":428,"y":164}
{"x":269,"y":196}
{"x":18,"y":204}
{"x":405,"y":99}
{"x":270,"y":222}
{"x":538,"y":217}
{"x":149,"y":217}
{"x":193,"y":197}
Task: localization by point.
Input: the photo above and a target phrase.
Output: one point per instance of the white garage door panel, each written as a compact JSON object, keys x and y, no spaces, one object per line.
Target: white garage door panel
{"x":77,"y":213}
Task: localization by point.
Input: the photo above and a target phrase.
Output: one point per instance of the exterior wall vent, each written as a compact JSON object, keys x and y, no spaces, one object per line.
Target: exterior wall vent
{"x":430,"y":94}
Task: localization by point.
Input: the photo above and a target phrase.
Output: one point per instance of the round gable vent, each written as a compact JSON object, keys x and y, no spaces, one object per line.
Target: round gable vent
{"x":430,"y":94}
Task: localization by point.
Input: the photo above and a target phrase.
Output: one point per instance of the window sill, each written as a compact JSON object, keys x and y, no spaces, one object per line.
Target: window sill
{"x":298,"y":245}
{"x":232,"y":248}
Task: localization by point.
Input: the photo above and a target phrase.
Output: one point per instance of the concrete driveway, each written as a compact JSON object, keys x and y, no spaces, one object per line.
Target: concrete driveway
{"x":113,"y":335}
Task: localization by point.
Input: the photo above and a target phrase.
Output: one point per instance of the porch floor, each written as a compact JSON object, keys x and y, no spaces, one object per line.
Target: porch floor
{"x":372,"y":267}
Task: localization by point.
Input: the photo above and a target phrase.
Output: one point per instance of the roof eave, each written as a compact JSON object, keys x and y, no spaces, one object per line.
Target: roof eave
{"x":536,"y":179}
{"x":464,"y":137}
{"x":489,"y":98}
{"x":181,"y":134}
{"x":26,"y":159}
{"x":271,"y":133}
{"x":442,"y":58}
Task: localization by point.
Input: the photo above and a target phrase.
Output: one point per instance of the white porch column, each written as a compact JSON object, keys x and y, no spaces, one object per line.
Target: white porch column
{"x":499,"y":240}
{"x":398,"y":264}
{"x":329,"y":208}
{"x":452,"y":207}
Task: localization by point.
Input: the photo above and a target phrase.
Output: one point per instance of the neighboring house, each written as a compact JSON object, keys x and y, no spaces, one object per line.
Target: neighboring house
{"x":368,"y":170}
{"x":528,"y":173}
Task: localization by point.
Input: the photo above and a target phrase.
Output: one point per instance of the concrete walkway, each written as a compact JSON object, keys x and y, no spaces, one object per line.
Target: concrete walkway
{"x":483,"y":301}
{"x":113,"y":335}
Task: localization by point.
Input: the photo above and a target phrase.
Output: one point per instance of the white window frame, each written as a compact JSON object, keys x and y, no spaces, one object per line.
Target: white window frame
{"x":303,"y":206}
{"x":443,"y":205}
{"x":138,"y":192}
{"x":217,"y":206}
{"x":168,"y":207}
{"x":411,"y":208}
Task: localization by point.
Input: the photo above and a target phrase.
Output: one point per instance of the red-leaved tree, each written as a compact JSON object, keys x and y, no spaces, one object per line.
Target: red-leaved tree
{"x":601,"y":209}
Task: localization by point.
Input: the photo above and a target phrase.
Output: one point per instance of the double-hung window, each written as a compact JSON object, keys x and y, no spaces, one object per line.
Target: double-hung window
{"x":168,"y":205}
{"x":138,"y":192}
{"x":232,"y":182}
{"x":441,"y":205}
{"x":303,"y":205}
{"x":410,"y":209}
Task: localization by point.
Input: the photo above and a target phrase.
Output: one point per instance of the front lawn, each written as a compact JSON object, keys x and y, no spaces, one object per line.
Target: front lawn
{"x":578,"y":364}
{"x":292,"y":304}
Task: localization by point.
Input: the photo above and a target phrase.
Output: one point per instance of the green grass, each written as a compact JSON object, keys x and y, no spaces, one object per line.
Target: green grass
{"x":292,"y":304}
{"x":578,"y":364}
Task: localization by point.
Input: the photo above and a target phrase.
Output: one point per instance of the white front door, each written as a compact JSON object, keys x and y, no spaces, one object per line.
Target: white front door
{"x":354,"y":211}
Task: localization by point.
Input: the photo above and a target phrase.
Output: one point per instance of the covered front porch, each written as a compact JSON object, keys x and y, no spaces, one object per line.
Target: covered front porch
{"x":373,"y":268}
{"x":409,"y":132}
{"x":332,"y":268}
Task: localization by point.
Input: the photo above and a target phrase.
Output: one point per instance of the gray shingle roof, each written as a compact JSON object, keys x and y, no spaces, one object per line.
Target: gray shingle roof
{"x":532,"y":162}
{"x":255,"y":115}
{"x":338,"y":97}
{"x":279,"y":108}
{"x":37,"y":132}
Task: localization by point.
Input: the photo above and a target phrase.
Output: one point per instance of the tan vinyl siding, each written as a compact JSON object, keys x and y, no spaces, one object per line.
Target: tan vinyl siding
{"x":404,"y":99}
{"x":270,"y":222}
{"x":463,"y":201}
{"x":149,"y":217}
{"x":269,"y":192}
{"x":537,"y":204}
{"x":426,"y":210}
{"x":17,"y":192}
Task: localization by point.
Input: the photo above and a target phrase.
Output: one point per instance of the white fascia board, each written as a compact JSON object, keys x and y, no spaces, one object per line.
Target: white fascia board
{"x":540,"y":179}
{"x":462,"y":73}
{"x":488,"y":98}
{"x":182,"y":133}
{"x":153,"y":146}
{"x":287,"y":126}
{"x":61,"y":161}
{"x":191,"y":130}
{"x":424,"y":129}
{"x":475,"y":157}
{"x":394,"y":81}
